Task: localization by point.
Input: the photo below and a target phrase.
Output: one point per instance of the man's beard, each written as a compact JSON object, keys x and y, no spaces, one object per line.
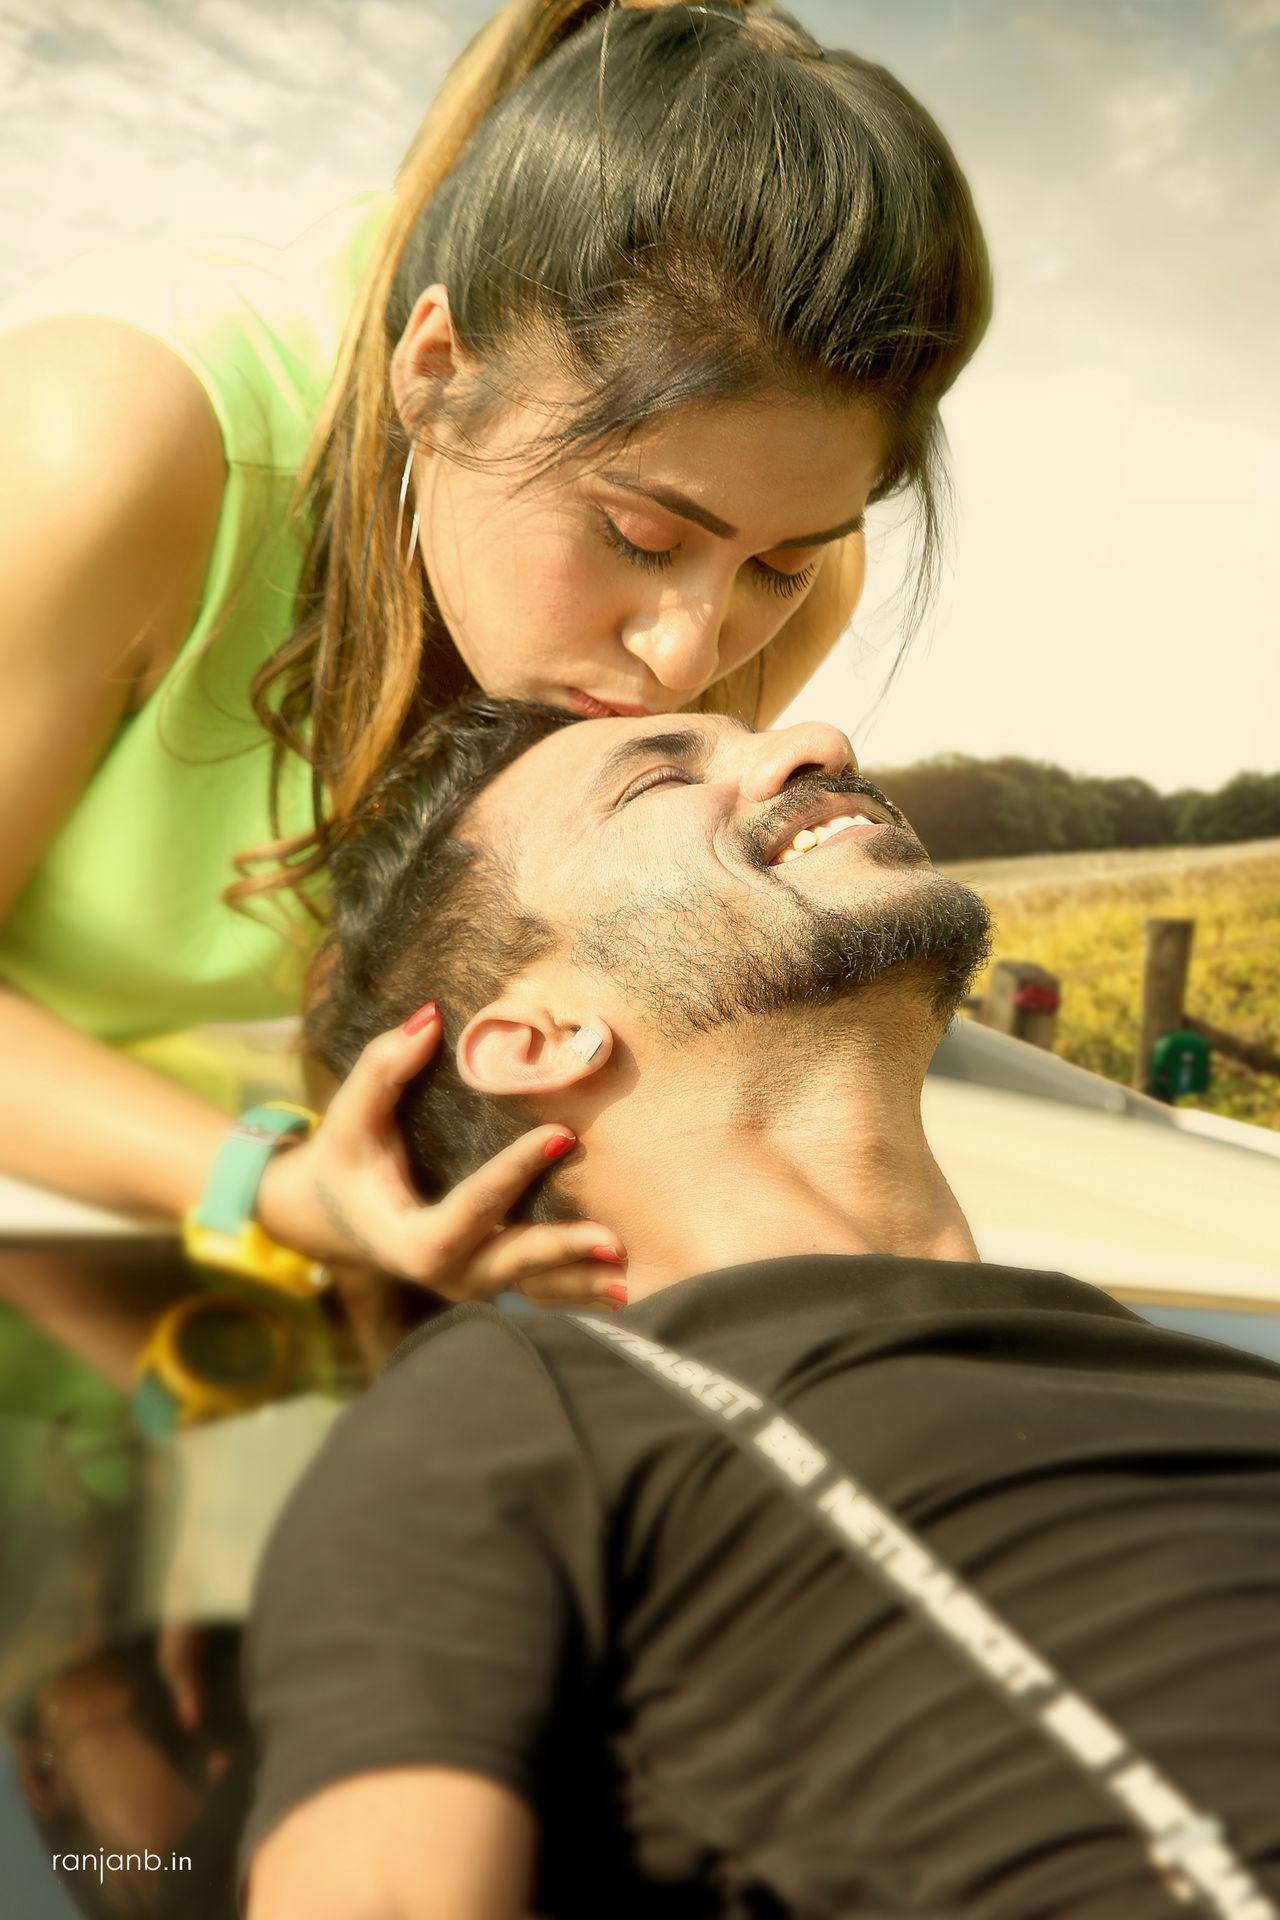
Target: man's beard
{"x":699,"y":962}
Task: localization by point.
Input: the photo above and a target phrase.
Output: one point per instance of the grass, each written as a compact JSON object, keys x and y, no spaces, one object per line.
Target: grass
{"x":1083,"y":917}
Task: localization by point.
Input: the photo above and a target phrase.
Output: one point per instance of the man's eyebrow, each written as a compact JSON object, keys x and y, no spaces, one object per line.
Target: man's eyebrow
{"x":681,"y":505}
{"x":687,"y":746}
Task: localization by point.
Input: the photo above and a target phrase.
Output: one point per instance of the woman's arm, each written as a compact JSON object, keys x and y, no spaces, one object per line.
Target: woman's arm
{"x":79,"y":1117}
{"x":111,"y":481}
{"x":418,"y":1843}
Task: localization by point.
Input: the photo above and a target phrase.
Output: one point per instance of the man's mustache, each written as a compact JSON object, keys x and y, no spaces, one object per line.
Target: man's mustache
{"x":799,"y":792}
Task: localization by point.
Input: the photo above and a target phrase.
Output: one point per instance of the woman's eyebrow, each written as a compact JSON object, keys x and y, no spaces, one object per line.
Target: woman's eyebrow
{"x":686,"y":509}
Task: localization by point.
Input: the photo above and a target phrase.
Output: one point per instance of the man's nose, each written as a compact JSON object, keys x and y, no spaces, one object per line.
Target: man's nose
{"x":773,"y":758}
{"x":680,"y":644}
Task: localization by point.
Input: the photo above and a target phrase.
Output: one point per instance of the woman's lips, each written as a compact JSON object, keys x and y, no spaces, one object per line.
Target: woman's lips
{"x":592,"y":709}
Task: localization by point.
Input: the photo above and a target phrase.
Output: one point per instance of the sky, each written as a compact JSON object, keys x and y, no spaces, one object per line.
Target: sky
{"x":1113,"y":569}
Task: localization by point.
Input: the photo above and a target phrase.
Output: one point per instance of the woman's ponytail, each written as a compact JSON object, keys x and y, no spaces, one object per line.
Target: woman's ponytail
{"x":322,"y":695}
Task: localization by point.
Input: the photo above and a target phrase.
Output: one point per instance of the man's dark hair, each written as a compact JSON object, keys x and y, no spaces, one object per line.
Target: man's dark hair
{"x":422,"y":913}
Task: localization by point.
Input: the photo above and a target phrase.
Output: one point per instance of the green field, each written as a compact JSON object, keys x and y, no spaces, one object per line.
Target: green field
{"x":1082,"y":915}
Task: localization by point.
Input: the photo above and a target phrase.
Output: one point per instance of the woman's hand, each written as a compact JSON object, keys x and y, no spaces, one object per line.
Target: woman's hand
{"x":345,"y":1197}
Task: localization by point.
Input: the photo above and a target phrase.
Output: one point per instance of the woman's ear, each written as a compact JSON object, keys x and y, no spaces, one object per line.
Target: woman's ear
{"x":426,"y":350}
{"x":507,"y":1049}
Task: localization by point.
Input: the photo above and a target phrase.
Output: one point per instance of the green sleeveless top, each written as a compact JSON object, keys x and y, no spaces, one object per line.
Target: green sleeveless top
{"x":122,"y":928}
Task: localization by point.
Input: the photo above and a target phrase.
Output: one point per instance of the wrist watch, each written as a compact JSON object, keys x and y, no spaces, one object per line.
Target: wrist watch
{"x":221,"y":1231}
{"x":209,"y":1357}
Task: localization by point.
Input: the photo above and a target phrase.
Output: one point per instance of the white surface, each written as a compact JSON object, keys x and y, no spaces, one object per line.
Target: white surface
{"x":228,"y":1481}
{"x":1135,"y":1207}
{"x":1236,"y":1133}
{"x":27,"y":1210}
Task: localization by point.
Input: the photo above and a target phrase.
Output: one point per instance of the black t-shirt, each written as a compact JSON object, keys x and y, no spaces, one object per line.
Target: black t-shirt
{"x":518,"y":1555}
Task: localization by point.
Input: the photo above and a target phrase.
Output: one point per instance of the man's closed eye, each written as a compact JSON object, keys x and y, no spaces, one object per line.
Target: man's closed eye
{"x":656,"y":777}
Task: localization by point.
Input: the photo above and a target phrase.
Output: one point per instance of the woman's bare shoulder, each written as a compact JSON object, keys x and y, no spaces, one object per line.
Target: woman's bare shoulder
{"x":111,"y":483}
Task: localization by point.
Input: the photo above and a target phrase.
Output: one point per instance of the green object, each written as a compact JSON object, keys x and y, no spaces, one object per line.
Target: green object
{"x":47,"y":1398}
{"x":121,"y":927}
{"x":157,"y":1411}
{"x":222,"y":1232}
{"x":232,"y":1187}
{"x":1179,"y":1065}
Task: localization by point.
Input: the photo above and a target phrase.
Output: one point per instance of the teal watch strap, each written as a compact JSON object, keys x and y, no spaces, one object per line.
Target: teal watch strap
{"x":232,"y":1188}
{"x":157,"y":1409}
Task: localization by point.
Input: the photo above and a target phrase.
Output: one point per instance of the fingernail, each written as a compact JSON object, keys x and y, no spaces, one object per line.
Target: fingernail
{"x":617,"y":1293}
{"x":608,"y":1253}
{"x":557,"y":1148}
{"x":422,"y":1018}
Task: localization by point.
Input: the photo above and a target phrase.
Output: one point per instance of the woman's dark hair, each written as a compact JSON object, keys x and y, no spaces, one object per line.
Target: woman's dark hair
{"x":420,"y":912}
{"x":683,"y":208}
{"x":672,"y":205}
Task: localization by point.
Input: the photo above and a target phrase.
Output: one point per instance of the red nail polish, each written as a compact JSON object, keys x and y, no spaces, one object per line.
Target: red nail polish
{"x":617,"y":1292}
{"x":422,"y":1018}
{"x":557,"y":1148}
{"x":607,"y":1253}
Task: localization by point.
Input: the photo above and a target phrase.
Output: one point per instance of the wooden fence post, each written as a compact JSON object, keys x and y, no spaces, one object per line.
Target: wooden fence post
{"x":1022,"y":999}
{"x":1164,"y":987}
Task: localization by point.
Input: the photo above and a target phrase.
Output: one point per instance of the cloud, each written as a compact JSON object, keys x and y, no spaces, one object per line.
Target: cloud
{"x":1250,"y":16}
{"x":139,"y":118}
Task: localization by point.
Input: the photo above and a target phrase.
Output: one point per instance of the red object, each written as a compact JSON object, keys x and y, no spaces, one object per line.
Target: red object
{"x":607,"y":1253}
{"x":618,"y":1293}
{"x":422,"y":1018}
{"x":556,"y":1149}
{"x":1037,"y":999}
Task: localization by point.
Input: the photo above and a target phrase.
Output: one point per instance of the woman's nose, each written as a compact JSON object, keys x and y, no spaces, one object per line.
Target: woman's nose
{"x":679,"y":644}
{"x":773,"y":758}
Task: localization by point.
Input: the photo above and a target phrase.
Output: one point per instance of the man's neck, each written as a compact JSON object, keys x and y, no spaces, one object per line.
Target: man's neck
{"x":800,"y":1136}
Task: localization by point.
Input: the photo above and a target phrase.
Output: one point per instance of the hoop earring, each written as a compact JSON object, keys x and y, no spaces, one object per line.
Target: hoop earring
{"x":413,"y":528}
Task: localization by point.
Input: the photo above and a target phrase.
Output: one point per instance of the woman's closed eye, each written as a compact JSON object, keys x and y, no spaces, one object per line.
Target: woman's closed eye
{"x":658,"y":559}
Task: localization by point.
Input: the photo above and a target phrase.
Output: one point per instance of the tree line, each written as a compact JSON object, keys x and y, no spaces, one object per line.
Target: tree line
{"x":969,"y":809}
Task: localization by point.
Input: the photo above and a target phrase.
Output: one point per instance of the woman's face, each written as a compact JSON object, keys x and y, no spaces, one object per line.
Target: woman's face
{"x":629,"y":579}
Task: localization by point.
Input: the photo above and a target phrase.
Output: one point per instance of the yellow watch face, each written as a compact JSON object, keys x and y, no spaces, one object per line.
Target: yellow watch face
{"x":218,"y":1357}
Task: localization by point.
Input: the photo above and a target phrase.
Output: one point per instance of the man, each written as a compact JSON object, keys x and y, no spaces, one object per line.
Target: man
{"x":535,"y":1635}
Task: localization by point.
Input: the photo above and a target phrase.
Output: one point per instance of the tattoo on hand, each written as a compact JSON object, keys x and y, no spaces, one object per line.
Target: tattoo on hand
{"x":338,"y":1220}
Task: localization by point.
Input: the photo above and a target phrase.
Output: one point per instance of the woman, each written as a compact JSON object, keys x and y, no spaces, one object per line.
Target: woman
{"x":664,"y":297}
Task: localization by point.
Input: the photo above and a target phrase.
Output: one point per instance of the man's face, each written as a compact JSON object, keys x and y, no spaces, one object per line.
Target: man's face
{"x":708,"y":872}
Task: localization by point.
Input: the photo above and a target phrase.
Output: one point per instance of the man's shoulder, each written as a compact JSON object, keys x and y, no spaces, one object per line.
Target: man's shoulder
{"x":473,"y":1346}
{"x":464,"y":1409}
{"x":801,"y":1296}
{"x":774,"y":1318}
{"x":527,"y":1340}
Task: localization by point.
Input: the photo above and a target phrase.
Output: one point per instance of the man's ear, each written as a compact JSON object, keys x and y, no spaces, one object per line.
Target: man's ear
{"x":518,"y":1050}
{"x":427,"y":350}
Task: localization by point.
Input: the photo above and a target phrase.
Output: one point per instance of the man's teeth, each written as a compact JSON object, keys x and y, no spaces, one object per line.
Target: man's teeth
{"x":809,"y":837}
